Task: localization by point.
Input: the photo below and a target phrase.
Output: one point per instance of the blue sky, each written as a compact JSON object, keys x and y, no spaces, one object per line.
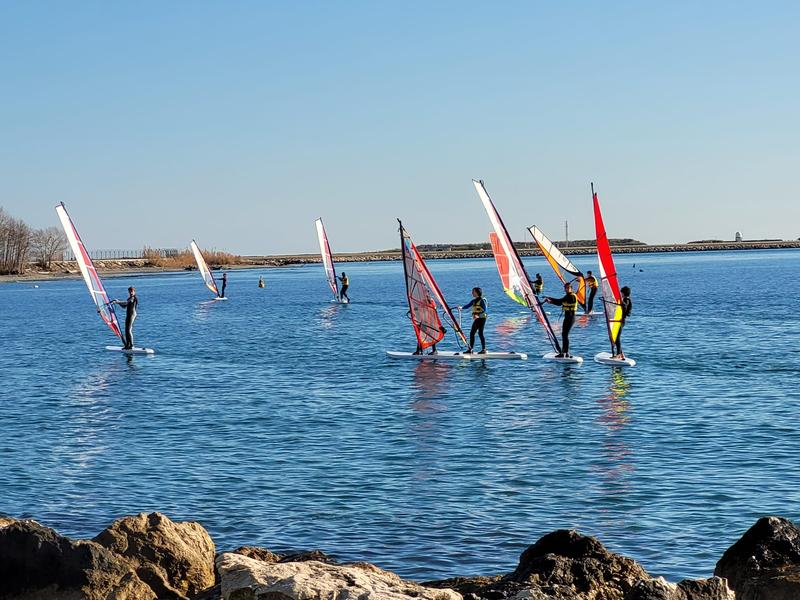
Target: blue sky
{"x":239,"y":123}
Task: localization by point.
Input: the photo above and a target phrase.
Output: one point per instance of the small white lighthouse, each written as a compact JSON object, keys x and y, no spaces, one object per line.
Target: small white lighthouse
{"x":738,"y":237}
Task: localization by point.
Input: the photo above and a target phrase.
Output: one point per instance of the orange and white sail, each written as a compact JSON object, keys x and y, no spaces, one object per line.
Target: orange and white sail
{"x":562,"y":266}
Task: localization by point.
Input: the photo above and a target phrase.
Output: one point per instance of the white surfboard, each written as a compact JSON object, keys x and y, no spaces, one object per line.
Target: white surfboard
{"x":219,"y":298}
{"x":574,"y":360}
{"x":133,"y":350}
{"x":443,"y":355}
{"x":604,"y":358}
{"x":594,"y":313}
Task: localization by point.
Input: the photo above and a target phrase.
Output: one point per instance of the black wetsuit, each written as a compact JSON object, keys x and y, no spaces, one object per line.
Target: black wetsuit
{"x":478,"y":306}
{"x":627,"y":307}
{"x":538,"y":285}
{"x":592,"y":294}
{"x":568,"y":304}
{"x":224,"y":285}
{"x":130,"y":316}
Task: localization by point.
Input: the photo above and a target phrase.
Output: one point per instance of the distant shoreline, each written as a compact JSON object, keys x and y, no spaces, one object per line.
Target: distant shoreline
{"x":137,"y":267}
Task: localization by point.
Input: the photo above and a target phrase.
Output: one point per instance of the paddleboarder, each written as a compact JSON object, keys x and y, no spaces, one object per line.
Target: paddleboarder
{"x":130,"y":315}
{"x":345,"y":280}
{"x":479,"y":314}
{"x":627,"y":307}
{"x":568,"y":304}
{"x":591,"y":283}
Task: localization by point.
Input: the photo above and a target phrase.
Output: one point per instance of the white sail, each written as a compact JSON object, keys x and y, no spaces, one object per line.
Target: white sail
{"x":205,"y":272}
{"x":327,"y":258}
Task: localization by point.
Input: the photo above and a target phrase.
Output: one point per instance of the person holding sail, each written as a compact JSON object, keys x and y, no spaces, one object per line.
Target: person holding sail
{"x":479,"y":314}
{"x":627,"y":306}
{"x":345,"y":280}
{"x":568,"y":304}
{"x":130,"y":316}
{"x":591,"y":283}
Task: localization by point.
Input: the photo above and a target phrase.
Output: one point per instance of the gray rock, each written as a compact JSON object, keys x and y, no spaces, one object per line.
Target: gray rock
{"x":715,"y":588}
{"x":765,"y":563}
{"x":175,"y":559}
{"x":38,"y":563}
{"x":244,"y":578}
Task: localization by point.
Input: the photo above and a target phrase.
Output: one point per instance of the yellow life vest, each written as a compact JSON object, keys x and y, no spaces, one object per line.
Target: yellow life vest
{"x":591,"y":282}
{"x":570,"y":304}
{"x":345,"y":280}
{"x":477,"y":310}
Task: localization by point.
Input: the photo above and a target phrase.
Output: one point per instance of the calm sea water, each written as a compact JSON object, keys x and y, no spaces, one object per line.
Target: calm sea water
{"x":275,"y":418}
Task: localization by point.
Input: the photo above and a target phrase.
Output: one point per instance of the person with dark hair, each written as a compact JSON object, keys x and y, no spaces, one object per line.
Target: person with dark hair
{"x":479,"y":313}
{"x":224,"y":285}
{"x":345,"y":284}
{"x":568,"y":304}
{"x":627,"y":307}
{"x":591,"y":283}
{"x":538,"y":284}
{"x":130,"y":316}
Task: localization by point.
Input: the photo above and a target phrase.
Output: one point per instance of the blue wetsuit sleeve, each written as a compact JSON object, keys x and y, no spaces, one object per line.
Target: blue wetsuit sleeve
{"x":469,"y":305}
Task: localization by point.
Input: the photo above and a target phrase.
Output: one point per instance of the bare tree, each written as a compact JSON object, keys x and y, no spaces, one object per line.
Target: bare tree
{"x":15,"y":244}
{"x":49,"y":245}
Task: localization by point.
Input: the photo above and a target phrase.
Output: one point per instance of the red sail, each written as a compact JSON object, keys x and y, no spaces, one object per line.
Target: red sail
{"x":612,"y":300}
{"x":421,"y":306}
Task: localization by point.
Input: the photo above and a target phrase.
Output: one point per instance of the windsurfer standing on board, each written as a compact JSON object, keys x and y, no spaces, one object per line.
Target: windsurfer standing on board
{"x":345,"y":284}
{"x":478,"y":306}
{"x":568,"y":304}
{"x":130,"y":316}
{"x":224,"y":285}
{"x":538,"y":284}
{"x":627,"y":307}
{"x":591,"y":282}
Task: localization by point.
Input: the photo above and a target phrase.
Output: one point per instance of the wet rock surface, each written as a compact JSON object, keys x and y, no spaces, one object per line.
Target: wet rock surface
{"x":765,"y":563}
{"x":690,"y":589}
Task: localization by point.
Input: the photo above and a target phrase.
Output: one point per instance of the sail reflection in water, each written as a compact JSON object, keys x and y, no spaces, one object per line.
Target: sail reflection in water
{"x":616,"y":464}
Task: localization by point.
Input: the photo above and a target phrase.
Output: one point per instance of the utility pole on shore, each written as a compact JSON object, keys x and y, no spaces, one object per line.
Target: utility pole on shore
{"x":566,"y":234}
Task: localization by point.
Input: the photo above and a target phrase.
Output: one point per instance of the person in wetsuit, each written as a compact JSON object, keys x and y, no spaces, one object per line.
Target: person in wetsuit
{"x":568,"y":304}
{"x":130,"y":315}
{"x":345,"y":284}
{"x":627,"y":307}
{"x":479,"y":307}
{"x":591,"y":283}
{"x":538,"y":284}
{"x":224,"y":285}
{"x":261,"y":282}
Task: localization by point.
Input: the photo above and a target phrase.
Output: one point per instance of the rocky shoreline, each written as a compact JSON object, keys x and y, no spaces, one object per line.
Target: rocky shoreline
{"x":150,"y":557}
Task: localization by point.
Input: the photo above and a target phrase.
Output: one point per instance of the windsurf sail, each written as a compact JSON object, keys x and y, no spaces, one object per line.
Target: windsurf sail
{"x":327,"y":258}
{"x":504,"y":269}
{"x":609,"y":286}
{"x":560,"y":263}
{"x":104,"y":307}
{"x":516,"y":282}
{"x":205,"y":272}
{"x":423,"y":292}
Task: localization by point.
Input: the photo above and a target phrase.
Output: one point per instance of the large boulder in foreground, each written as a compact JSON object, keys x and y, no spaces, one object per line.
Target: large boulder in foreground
{"x":244,"y":578}
{"x":562,"y":565}
{"x":175,"y":559}
{"x":36,"y":563}
{"x":715,"y":588}
{"x":765,"y":563}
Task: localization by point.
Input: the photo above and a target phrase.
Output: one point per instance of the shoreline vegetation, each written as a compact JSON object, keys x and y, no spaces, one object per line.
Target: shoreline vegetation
{"x":151,"y":557}
{"x":155,"y":262}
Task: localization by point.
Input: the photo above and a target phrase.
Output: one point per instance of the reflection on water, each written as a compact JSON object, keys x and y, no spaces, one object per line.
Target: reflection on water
{"x":512,"y":325}
{"x":430,"y":381}
{"x":617,"y":459}
{"x":327,"y":314}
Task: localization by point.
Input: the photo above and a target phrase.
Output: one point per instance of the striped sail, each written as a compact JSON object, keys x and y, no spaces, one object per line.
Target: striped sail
{"x":104,"y":308}
{"x":612,"y":299}
{"x":560,"y":263}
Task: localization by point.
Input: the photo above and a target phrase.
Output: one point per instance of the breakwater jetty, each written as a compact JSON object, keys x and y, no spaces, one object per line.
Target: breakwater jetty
{"x":151,"y":557}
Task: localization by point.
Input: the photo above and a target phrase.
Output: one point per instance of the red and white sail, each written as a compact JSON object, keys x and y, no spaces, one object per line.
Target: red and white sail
{"x":104,"y":307}
{"x":423,"y":293}
{"x":327,"y":258}
{"x":202,"y":266}
{"x":515,"y":281}
{"x":609,"y":286}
